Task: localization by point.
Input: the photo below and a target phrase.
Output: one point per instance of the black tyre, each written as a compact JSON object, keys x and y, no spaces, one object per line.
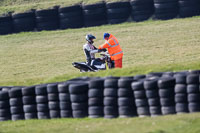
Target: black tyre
{"x":41,"y":90}
{"x":111,"y":111}
{"x":63,"y":87}
{"x":193,"y":88}
{"x":194,"y":107}
{"x":181,"y":98}
{"x":65,"y":105}
{"x":125,"y":101}
{"x":137,"y":86}
{"x":79,"y":106}
{"x":194,"y":97}
{"x":150,"y":84}
{"x":30,"y":116}
{"x":30,"y":108}
{"x":125,"y":92}
{"x":181,"y":107}
{"x":16,"y":117}
{"x":16,"y":109}
{"x":4,"y":104}
{"x":28,"y":100}
{"x":139,"y":94}
{"x":168,"y":110}
{"x":125,"y":83}
{"x":78,"y":88}
{"x":95,"y":93}
{"x":154,"y":102}
{"x":96,"y":110}
{"x":141,"y":102}
{"x":180,"y":88}
{"x":111,"y":83}
{"x":110,"y":92}
{"x":155,"y":110}
{"x":193,"y":79}
{"x":127,"y":111}
{"x":166,"y":82}
{"x":79,"y":113}
{"x":43,"y":115}
{"x":180,"y":78}
{"x":166,"y":101}
{"x":152,"y":93}
{"x":41,"y":99}
{"x":95,"y":102}
{"x":53,"y":97}
{"x":53,"y":105}
{"x":42,"y":107}
{"x":15,"y":92}
{"x":96,"y":83}
{"x":64,"y":97}
{"x":110,"y":101}
{"x":4,"y":112}
{"x":165,"y":93}
{"x":15,"y":102}
{"x":4,"y":95}
{"x":76,"y":98}
{"x":28,"y":91}
{"x":54,"y":113}
{"x":52,"y":88}
{"x":143,"y":111}
{"x":65,"y":113}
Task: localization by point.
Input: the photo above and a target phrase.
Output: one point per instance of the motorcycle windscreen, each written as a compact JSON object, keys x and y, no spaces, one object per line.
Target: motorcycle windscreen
{"x":82,"y":66}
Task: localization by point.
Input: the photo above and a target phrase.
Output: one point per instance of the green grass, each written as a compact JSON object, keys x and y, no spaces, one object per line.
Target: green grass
{"x":187,"y":123}
{"x":40,"y":57}
{"x":18,"y":6}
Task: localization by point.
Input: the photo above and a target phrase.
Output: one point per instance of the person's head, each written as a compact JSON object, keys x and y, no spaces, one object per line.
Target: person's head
{"x":106,"y":36}
{"x":90,"y":38}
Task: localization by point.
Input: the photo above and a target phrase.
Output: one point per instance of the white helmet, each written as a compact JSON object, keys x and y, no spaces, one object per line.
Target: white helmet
{"x":89,"y":38}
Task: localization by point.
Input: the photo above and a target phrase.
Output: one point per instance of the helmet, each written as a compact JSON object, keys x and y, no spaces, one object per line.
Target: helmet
{"x":106,"y":35}
{"x":89,"y":38}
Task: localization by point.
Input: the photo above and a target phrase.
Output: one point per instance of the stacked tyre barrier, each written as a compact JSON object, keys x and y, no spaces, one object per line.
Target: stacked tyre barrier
{"x":47,"y":19}
{"x":126,"y":104}
{"x":70,"y":17}
{"x":181,"y":94}
{"x":53,"y":100}
{"x":29,"y":102}
{"x":95,"y":98}
{"x":79,"y":99}
{"x":24,"y":21}
{"x":166,"y":9}
{"x":94,"y":15}
{"x":189,"y":8}
{"x":141,"y":9}
{"x":64,"y":98}
{"x":118,"y":12}
{"x":42,"y":102}
{"x":110,"y":98}
{"x":87,"y":15}
{"x":150,"y":95}
{"x":193,"y":92}
{"x":16,"y":104}
{"x":141,"y":100}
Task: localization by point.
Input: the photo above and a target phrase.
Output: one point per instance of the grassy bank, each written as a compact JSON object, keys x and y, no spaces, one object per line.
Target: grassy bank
{"x":38,"y":57}
{"x":188,"y":123}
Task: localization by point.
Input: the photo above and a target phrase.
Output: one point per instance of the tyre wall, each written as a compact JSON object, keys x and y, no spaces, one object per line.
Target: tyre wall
{"x":97,"y":14}
{"x":148,"y":95}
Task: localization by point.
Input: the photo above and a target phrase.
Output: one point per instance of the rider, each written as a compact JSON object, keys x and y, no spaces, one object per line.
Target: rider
{"x":89,"y":49}
{"x":114,"y":49}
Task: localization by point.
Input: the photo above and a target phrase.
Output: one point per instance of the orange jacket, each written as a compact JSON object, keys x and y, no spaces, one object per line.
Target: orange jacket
{"x":114,"y":48}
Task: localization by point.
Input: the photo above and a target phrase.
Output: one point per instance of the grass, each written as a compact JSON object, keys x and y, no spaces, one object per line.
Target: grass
{"x":187,"y":123}
{"x":41,"y":57}
{"x":18,"y":6}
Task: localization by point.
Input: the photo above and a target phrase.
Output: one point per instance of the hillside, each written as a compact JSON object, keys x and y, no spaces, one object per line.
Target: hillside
{"x":38,"y":57}
{"x":188,"y":123}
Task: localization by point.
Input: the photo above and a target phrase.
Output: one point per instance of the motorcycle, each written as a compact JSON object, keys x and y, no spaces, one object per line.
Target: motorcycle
{"x":97,"y":64}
